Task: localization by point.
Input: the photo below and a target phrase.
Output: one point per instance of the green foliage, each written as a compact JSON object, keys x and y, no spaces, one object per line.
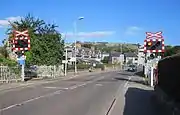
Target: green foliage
{"x":4,"y":52}
{"x":79,"y":66}
{"x":170,"y":50}
{"x":99,"y":66}
{"x":47,"y":46}
{"x":84,"y":66}
{"x":7,"y":61}
{"x":117,"y":48}
{"x":87,"y":45}
{"x":106,"y":59}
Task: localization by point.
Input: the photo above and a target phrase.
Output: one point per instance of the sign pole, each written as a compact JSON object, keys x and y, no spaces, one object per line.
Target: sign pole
{"x":21,"y":42}
{"x":22,"y":72}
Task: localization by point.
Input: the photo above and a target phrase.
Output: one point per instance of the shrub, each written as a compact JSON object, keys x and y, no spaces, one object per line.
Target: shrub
{"x":83,"y":66}
{"x":7,"y":62}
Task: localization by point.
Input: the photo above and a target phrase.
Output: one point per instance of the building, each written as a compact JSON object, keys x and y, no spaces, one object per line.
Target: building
{"x":116,"y":58}
{"x":83,"y":53}
{"x":103,"y":55}
{"x":131,"y":58}
{"x":141,"y":56}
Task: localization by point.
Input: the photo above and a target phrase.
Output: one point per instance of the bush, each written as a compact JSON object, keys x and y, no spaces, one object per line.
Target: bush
{"x":7,"y":62}
{"x":105,"y":60}
{"x":79,"y":66}
{"x":83,"y":66}
{"x":99,"y":65}
{"x":11,"y":64}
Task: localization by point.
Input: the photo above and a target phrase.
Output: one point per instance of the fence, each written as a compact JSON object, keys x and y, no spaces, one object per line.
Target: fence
{"x":8,"y":74}
{"x":50,"y":71}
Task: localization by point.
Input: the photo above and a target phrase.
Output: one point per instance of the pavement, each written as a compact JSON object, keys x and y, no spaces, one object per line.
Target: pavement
{"x":135,"y":99}
{"x":101,"y":93}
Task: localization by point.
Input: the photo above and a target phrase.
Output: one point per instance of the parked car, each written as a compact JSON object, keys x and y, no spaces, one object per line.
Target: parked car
{"x":132,"y":68}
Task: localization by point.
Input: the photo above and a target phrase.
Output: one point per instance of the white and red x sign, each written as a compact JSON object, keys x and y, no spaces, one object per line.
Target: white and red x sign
{"x":154,"y":35}
{"x":24,"y":33}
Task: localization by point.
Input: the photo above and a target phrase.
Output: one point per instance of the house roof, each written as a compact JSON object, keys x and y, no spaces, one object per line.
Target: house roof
{"x":130,"y":54}
{"x":115,"y":54}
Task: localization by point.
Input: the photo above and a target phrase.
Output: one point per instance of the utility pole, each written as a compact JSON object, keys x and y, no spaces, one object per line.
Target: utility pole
{"x":65,"y":72}
{"x":75,"y":30}
{"x":121,"y":47}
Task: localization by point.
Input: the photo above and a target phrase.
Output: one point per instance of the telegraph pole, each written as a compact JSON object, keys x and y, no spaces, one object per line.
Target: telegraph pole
{"x":65,"y":72}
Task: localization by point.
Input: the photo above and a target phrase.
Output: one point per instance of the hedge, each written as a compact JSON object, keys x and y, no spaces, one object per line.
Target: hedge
{"x":85,"y":66}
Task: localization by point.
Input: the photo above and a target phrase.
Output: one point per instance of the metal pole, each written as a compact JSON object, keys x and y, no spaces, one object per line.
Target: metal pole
{"x":121,"y":48}
{"x":75,"y":30}
{"x":22,"y":72}
{"x":152,"y":75}
{"x":65,"y":73}
{"x":121,"y":57}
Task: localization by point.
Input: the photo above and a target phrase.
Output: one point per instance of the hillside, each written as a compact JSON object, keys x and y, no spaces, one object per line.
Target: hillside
{"x":108,"y":47}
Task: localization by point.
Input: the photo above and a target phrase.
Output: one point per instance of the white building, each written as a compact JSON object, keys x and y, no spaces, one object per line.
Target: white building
{"x":141,"y":55}
{"x":104,"y":55}
{"x":131,"y":58}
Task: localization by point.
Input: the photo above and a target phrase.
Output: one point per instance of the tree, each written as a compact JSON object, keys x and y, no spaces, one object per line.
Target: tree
{"x":47,"y":46}
{"x":87,"y":45}
{"x":4,"y":52}
{"x":170,"y":50}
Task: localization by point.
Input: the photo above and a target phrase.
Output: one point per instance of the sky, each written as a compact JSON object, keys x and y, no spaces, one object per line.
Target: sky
{"x":104,"y":20}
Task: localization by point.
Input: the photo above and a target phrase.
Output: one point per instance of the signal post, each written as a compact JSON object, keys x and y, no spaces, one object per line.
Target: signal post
{"x":21,"y":44}
{"x":153,"y":45}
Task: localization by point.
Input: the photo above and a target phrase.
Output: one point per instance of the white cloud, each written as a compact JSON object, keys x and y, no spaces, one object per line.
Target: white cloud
{"x":133,"y":30}
{"x":89,"y":34}
{"x":5,"y":22}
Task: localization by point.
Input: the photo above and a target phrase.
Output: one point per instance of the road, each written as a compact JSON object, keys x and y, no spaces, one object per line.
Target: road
{"x":85,"y":95}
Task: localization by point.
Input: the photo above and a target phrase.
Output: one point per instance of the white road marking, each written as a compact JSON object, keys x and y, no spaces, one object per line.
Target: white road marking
{"x":118,"y":93}
{"x":30,"y":100}
{"x":26,"y":84}
{"x":99,"y":85}
{"x":73,"y":87}
{"x":47,"y":95}
{"x":56,"y":87}
{"x":51,"y":87}
{"x":126,"y":84}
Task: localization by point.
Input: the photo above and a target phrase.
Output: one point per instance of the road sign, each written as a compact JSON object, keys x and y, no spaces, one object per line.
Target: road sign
{"x":21,"y":60}
{"x":153,"y":35}
{"x":21,"y":41}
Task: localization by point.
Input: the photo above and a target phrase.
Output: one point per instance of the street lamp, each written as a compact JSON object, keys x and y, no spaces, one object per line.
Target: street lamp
{"x":75,"y":35}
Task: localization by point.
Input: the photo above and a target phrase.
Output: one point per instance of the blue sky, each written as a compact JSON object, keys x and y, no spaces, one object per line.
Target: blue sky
{"x":104,"y":20}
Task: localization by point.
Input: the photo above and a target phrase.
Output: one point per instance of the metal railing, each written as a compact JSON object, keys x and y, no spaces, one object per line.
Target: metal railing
{"x":8,"y":74}
{"x":50,"y":71}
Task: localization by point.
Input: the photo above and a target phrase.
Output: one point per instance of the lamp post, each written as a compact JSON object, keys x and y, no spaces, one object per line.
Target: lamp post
{"x":65,"y":71}
{"x":75,"y":35}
